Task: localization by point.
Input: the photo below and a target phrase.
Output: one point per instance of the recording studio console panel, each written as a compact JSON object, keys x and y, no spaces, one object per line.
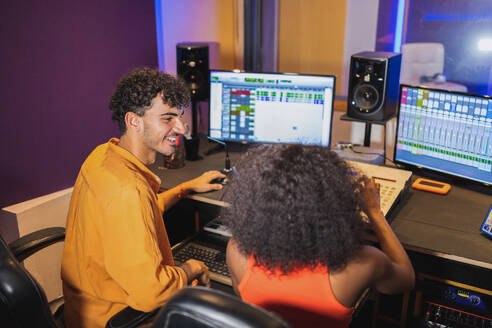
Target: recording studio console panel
{"x":450,"y":306}
{"x":441,"y":316}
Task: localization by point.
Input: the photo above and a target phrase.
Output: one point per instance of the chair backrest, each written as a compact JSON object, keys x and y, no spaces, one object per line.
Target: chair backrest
{"x":421,"y":59}
{"x":22,"y":301}
{"x":199,"y":307}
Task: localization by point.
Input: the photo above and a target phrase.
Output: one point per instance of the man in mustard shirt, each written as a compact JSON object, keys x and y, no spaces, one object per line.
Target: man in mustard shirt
{"x":117,"y":252}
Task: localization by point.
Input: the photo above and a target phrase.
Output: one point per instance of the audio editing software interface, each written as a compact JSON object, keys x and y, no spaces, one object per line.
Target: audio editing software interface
{"x":445,"y":131}
{"x":271,"y":108}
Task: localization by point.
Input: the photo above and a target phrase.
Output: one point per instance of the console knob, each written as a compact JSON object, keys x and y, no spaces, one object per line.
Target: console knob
{"x":475,"y":300}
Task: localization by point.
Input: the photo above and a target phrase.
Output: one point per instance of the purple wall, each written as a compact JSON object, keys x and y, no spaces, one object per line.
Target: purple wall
{"x":59,"y":63}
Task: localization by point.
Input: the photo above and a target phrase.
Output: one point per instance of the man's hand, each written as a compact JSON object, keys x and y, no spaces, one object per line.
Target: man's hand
{"x":202,"y":183}
{"x":196,"y":270}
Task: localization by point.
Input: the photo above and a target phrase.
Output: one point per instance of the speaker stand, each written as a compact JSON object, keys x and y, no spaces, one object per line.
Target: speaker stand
{"x":367,"y":133}
{"x":192,"y":145}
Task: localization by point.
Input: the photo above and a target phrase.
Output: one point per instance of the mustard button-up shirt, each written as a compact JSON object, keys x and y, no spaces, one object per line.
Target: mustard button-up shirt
{"x":116,"y":252}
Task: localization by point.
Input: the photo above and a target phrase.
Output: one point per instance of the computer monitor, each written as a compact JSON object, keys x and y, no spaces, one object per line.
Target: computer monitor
{"x":446,"y":132}
{"x":271,"y":107}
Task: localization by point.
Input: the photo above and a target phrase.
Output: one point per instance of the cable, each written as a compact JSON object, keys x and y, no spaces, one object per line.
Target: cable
{"x":351,"y":147}
{"x":347,"y":145}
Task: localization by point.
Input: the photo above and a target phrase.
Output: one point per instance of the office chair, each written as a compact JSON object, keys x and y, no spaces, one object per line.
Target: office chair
{"x":23,"y":302}
{"x":422,"y":63}
{"x":200,"y":307}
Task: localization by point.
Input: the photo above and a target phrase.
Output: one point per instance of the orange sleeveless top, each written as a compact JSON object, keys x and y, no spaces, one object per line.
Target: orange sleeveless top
{"x":294,"y":295}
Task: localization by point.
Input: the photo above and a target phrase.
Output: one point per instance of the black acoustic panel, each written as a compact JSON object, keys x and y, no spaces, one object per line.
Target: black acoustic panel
{"x":192,"y":61}
{"x":373,"y":85}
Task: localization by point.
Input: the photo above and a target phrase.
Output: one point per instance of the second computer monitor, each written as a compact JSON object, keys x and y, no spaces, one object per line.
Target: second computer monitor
{"x":445,"y":131}
{"x":271,"y":107}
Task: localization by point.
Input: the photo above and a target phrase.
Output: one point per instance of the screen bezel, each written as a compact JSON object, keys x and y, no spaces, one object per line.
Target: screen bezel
{"x":248,"y":142}
{"x":423,"y":170}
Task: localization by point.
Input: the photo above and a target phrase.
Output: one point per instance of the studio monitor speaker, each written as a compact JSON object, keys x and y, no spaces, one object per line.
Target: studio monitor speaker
{"x":192,"y":61}
{"x":373,"y":85}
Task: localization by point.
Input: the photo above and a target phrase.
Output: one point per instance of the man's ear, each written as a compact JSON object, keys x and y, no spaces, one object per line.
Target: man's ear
{"x":133,"y":121}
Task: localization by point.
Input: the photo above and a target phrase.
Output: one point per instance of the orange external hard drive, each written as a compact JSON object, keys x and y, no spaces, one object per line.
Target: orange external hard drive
{"x":431,"y":186}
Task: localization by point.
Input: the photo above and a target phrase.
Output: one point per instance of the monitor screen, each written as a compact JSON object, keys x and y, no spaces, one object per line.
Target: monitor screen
{"x":444,"y":131}
{"x":271,"y":107}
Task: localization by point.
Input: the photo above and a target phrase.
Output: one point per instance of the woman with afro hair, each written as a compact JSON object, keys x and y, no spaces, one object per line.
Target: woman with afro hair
{"x":298,"y":235}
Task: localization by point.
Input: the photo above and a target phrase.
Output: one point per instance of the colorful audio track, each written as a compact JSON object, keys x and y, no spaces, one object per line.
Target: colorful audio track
{"x":442,"y":129}
{"x":250,"y":107}
{"x":240,"y":120}
{"x":450,"y":127}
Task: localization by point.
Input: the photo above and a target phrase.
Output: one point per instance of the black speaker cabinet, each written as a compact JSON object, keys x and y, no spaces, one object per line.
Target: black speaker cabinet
{"x":373,"y":85}
{"x":192,"y":60}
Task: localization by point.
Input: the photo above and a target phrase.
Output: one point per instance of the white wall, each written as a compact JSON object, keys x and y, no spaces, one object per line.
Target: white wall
{"x":360,"y":32}
{"x":198,"y":21}
{"x":206,"y":21}
{"x":33,"y":215}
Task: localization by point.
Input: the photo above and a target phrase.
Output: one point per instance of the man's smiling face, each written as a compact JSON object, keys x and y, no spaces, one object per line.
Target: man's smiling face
{"x":161,"y":125}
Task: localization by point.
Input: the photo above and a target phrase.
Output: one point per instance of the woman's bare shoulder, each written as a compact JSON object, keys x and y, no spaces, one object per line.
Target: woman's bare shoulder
{"x":351,"y":281}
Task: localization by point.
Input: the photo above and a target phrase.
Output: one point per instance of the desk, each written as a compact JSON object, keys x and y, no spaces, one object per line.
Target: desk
{"x":443,"y":227}
{"x":192,"y":169}
{"x":441,"y":234}
{"x":446,"y":225}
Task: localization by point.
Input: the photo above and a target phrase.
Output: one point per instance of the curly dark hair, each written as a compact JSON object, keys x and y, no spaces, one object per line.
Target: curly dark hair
{"x":135,"y":91}
{"x":295,"y":206}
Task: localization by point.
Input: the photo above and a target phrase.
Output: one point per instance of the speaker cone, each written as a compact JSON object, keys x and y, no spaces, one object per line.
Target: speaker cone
{"x":194,"y":78}
{"x":366,"y":97}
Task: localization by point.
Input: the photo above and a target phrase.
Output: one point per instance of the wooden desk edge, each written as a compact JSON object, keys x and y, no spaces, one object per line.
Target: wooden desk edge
{"x":451,"y":257}
{"x":371,"y":237}
{"x":207,"y":200}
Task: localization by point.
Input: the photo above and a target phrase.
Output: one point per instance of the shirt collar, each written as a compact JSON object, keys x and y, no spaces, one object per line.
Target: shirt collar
{"x":153,"y":179}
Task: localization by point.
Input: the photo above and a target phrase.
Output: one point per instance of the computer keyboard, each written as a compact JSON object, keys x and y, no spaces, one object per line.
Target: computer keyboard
{"x":214,"y":259}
